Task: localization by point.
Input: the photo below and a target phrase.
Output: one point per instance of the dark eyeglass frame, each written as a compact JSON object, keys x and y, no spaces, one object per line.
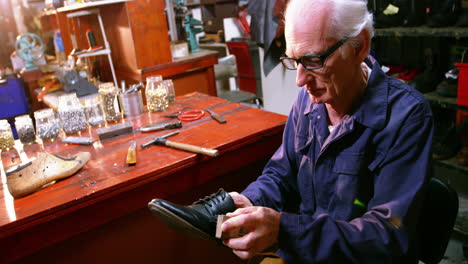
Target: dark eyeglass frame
{"x":322,"y":57}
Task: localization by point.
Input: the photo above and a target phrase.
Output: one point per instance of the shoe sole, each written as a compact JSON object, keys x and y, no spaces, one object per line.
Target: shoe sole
{"x":177,"y":223}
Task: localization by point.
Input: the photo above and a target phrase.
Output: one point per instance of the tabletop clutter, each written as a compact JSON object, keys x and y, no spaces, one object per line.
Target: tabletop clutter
{"x":103,"y":112}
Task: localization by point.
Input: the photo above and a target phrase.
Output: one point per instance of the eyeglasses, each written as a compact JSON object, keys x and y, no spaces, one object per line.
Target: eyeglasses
{"x":310,"y":62}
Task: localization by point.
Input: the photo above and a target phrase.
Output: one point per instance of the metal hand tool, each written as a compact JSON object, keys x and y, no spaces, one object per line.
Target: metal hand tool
{"x":216,"y":116}
{"x":160,"y":126}
{"x":153,"y":141}
{"x":189,"y":115}
{"x":191,"y":148}
{"x":175,"y":114}
{"x":78,"y":140}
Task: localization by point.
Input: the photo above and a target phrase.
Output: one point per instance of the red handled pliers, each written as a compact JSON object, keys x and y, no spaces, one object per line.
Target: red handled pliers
{"x":189,"y":115}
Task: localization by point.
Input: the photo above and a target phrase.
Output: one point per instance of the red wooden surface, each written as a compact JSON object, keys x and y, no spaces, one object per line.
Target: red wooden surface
{"x":106,"y":188}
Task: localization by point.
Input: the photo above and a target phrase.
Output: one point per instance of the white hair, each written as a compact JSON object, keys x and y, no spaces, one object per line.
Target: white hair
{"x":348,"y":18}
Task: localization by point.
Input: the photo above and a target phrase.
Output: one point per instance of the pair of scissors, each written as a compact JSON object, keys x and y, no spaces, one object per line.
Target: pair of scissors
{"x":189,"y":115}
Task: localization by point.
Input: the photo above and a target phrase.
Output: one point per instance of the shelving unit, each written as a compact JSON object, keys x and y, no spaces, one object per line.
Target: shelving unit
{"x":423,"y":31}
{"x":94,"y":53}
{"x":138,"y":34}
{"x":433,"y":97}
{"x":445,"y":102}
{"x":106,"y":50}
{"x":448,"y":103}
{"x":448,"y":170}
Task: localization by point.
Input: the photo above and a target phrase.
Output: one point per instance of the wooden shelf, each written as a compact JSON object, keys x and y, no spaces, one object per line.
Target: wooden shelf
{"x":94,"y":53}
{"x":89,"y":4}
{"x":452,"y":164}
{"x":445,"y":102}
{"x":423,"y":31}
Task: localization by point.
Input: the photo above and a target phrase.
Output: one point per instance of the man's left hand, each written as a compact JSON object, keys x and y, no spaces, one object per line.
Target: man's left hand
{"x":260,"y":225}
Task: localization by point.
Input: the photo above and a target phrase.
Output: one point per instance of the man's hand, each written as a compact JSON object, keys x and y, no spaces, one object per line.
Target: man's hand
{"x":240,"y":201}
{"x":261,"y":225}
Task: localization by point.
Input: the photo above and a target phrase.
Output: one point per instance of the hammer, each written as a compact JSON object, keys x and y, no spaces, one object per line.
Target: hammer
{"x":162,"y":140}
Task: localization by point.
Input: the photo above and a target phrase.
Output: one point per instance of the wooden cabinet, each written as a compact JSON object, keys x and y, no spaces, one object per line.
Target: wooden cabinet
{"x":137,"y":32}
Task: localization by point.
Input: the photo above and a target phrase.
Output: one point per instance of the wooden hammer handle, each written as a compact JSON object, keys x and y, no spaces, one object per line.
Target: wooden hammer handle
{"x":192,"y":148}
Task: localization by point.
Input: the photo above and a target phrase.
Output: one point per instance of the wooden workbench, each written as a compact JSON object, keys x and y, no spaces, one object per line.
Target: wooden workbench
{"x":100,"y":214}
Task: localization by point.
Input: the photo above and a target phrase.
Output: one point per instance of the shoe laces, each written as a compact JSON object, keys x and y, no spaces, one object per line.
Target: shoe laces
{"x":213,"y":199}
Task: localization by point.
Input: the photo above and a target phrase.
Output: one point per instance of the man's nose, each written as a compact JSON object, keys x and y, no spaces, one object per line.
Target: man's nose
{"x":303,"y":76}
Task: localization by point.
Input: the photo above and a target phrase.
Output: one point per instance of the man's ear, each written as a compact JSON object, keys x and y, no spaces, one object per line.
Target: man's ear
{"x":362,"y":51}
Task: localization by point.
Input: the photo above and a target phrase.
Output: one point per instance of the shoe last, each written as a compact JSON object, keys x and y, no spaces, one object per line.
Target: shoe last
{"x":44,"y":170}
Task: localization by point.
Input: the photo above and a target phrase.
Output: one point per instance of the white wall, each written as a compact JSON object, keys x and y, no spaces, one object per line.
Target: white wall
{"x":279,"y":88}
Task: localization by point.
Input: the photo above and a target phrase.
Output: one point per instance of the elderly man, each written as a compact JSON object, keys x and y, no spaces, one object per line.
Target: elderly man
{"x":346,"y":184}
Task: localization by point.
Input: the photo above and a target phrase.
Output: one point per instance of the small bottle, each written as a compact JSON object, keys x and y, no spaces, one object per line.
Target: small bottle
{"x":58,"y":45}
{"x":110,"y":102}
{"x":71,"y":114}
{"x":93,"y":112}
{"x":170,"y":89}
{"x":156,"y":94}
{"x":47,"y":124}
{"x":25,"y":128}
{"x":6,"y":136}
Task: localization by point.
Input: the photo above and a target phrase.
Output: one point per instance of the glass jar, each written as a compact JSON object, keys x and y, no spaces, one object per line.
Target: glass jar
{"x":25,"y":128}
{"x":93,"y":112}
{"x":170,"y":89}
{"x":156,"y":94}
{"x":71,"y":114}
{"x":6,"y":135}
{"x":47,"y":124}
{"x":110,"y":103}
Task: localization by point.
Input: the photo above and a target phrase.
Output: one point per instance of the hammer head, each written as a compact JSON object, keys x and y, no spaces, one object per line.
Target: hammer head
{"x":159,"y":140}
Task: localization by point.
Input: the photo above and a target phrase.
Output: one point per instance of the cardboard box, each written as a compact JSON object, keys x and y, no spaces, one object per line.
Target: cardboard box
{"x":179,"y":49}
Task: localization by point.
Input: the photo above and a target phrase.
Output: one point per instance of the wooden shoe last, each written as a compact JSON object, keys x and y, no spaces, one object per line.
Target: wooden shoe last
{"x":45,"y":169}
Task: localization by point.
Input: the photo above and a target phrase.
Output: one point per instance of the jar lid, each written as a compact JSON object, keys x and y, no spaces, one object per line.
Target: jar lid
{"x":4,"y":122}
{"x":23,"y":118}
{"x":47,"y":112}
{"x":154,"y":78}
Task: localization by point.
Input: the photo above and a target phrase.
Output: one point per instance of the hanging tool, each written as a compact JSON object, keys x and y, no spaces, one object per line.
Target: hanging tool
{"x":189,"y":115}
{"x":158,"y":126}
{"x":163,"y":141}
{"x":216,"y":116}
{"x":131,"y":154}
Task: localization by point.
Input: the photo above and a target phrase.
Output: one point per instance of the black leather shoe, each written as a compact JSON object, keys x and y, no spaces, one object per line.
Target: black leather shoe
{"x":198,"y":219}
